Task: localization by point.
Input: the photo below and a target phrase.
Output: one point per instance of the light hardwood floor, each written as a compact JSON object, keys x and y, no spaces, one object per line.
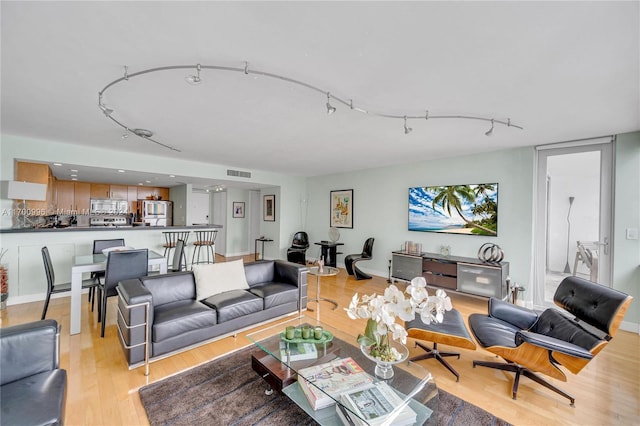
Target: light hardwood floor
{"x":102,"y":391}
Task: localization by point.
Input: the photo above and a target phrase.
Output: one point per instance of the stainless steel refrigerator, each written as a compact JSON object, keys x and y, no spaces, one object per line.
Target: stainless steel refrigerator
{"x":156,"y":213}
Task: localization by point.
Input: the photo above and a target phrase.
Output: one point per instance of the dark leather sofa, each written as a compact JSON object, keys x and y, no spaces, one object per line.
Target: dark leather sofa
{"x":33,"y":389}
{"x":178,"y":321}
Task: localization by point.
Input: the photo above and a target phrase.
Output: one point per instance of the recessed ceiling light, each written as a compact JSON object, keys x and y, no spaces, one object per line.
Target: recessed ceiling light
{"x":74,"y":178}
{"x":120,"y":171}
{"x":147,"y":181}
{"x":73,"y":171}
{"x":74,"y":175}
{"x":172,"y":176}
{"x":140,"y":183}
{"x":57,"y":164}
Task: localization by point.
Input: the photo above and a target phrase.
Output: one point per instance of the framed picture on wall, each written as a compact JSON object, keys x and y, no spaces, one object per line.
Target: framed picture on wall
{"x":341,"y":206}
{"x":269,"y":208}
{"x":238,"y":209}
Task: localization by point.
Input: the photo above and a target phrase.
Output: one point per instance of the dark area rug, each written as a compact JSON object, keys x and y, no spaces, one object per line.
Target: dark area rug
{"x":228,"y":392}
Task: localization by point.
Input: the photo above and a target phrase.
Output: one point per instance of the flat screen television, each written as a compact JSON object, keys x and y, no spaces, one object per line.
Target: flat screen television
{"x":455,"y":209}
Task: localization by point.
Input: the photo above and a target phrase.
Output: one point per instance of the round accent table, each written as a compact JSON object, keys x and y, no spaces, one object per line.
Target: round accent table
{"x":327,"y":271}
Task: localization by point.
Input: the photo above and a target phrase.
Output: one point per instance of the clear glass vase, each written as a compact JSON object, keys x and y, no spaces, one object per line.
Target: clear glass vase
{"x":384,"y":369}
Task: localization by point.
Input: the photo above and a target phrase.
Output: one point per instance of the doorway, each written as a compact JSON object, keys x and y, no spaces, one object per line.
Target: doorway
{"x":200,"y":206}
{"x":573,"y":215}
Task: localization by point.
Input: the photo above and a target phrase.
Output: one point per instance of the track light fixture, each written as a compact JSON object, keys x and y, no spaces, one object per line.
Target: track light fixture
{"x":105,"y":109}
{"x":330,"y":109}
{"x":490,"y":131}
{"x":195,"y":79}
{"x":407,"y":130}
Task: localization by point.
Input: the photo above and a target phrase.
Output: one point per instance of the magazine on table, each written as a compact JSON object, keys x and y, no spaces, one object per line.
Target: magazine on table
{"x":322,"y":384}
{"x":375,"y":405}
{"x":297,"y":351}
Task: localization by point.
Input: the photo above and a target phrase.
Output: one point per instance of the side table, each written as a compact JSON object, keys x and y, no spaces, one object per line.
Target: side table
{"x":329,"y":252}
{"x":255,"y":251}
{"x":327,"y":271}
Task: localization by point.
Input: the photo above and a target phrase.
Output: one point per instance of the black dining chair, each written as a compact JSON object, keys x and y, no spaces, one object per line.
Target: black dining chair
{"x":98,"y":246}
{"x":52,"y":287}
{"x":176,"y":261}
{"x":121,"y":265}
{"x":297,"y":253}
{"x":351,"y":260}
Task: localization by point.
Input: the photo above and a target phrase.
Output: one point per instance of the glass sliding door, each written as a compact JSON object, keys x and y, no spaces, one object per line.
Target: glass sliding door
{"x":573,"y":215}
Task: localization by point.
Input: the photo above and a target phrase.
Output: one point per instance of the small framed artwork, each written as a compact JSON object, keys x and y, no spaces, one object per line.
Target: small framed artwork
{"x":269,"y":208}
{"x":238,"y":209}
{"x":341,"y":208}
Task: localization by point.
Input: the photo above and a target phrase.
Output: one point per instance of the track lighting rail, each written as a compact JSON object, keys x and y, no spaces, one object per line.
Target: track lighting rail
{"x":196,"y":79}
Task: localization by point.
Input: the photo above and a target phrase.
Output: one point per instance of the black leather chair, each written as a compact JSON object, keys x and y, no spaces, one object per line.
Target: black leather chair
{"x":297,"y":253}
{"x":98,"y":246}
{"x":121,"y":265}
{"x":351,"y":260}
{"x":176,"y":260}
{"x":52,"y":287}
{"x":33,"y":388}
{"x":530,"y":342}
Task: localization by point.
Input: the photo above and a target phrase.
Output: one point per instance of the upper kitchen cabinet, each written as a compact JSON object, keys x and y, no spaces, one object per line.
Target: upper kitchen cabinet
{"x":118,"y":192}
{"x":148,"y":192}
{"x":100,"y":190}
{"x":73,"y":196}
{"x":105,"y":190}
{"x":36,"y":173}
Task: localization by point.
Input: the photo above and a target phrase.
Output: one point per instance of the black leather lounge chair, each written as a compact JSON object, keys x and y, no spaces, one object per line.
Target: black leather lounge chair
{"x":530,"y":342}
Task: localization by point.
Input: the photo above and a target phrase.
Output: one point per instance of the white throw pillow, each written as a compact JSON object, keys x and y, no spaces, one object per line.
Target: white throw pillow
{"x":215,"y":278}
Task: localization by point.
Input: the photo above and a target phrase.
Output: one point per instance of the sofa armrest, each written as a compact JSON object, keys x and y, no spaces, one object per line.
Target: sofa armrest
{"x":294,"y":274}
{"x":28,"y":349}
{"x":134,"y":293}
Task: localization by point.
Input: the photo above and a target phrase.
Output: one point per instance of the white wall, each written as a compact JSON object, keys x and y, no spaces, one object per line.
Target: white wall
{"x":381,"y":208}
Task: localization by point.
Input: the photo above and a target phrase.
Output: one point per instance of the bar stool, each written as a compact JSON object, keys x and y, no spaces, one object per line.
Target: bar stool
{"x":206,"y":239}
{"x":170,"y":241}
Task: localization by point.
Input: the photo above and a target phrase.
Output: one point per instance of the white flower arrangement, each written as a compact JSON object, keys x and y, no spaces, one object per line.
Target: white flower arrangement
{"x":381,"y":312}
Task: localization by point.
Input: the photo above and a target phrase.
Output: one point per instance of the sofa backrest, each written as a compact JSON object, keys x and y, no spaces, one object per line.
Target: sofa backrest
{"x":167,"y":288}
{"x":259,"y":272}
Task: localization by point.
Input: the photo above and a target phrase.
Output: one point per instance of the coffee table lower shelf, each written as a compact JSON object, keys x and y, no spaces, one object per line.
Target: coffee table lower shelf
{"x":276,"y":374}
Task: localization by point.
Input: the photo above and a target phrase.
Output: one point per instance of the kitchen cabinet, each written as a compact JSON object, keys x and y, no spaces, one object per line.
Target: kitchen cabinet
{"x":73,"y":197}
{"x":132,"y":198}
{"x":100,"y":190}
{"x":65,"y":196}
{"x":82,"y":197}
{"x":36,"y":173}
{"x":106,"y":191}
{"x":118,"y":192}
{"x":145,"y":192}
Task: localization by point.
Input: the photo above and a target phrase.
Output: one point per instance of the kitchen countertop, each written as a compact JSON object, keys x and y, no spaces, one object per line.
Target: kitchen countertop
{"x":107,"y":228}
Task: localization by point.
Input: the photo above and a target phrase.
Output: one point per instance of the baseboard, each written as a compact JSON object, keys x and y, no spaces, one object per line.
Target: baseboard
{"x":37,"y":297}
{"x":630,"y":326}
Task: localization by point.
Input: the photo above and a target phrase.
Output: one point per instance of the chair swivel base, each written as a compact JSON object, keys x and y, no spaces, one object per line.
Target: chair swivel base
{"x":519,"y":370}
{"x":439,"y":355}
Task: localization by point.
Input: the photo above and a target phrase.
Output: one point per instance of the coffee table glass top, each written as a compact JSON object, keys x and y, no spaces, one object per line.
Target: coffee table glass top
{"x":411,"y":382}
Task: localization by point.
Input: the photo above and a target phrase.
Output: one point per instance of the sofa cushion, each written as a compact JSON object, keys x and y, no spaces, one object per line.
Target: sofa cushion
{"x":275,"y":294}
{"x":215,"y":278}
{"x":35,"y":400}
{"x":180,"y":317}
{"x":259,"y":272}
{"x":233,"y":304}
{"x":169,"y":288}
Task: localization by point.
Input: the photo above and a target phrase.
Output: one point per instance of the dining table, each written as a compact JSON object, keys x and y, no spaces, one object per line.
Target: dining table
{"x":94,"y":263}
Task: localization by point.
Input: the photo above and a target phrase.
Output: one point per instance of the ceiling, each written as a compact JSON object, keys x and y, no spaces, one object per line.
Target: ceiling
{"x":561,"y":70}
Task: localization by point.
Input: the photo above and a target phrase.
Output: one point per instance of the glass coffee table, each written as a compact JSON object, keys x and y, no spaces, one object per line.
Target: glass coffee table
{"x":279,"y":364}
